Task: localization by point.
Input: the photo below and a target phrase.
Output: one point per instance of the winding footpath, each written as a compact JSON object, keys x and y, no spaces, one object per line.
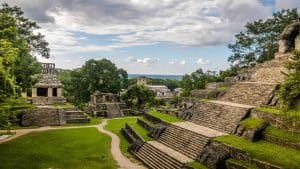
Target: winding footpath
{"x":123,"y":162}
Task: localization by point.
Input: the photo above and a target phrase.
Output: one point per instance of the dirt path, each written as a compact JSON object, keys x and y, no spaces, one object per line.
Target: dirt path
{"x":123,"y":162}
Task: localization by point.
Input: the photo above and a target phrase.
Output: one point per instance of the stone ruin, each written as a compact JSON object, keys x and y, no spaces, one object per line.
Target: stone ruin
{"x":290,"y":38}
{"x":193,"y":140}
{"x":46,"y":93}
{"x":48,"y":90}
{"x":107,"y":105}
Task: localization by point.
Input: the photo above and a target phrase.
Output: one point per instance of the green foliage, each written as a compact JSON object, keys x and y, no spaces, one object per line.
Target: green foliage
{"x":258,"y":42}
{"x":165,"y":117}
{"x":252,"y":123}
{"x":95,"y":75}
{"x":139,"y":97}
{"x":289,"y":92}
{"x":195,"y":165}
{"x":67,"y":148}
{"x":11,"y":111}
{"x":244,"y":164}
{"x":115,"y":125}
{"x":197,"y":80}
{"x":283,"y":134}
{"x":262,"y":150}
{"x":232,"y":71}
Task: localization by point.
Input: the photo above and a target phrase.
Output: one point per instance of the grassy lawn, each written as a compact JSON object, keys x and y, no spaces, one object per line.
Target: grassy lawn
{"x":283,"y":134}
{"x":242,"y":163}
{"x":252,"y":123}
{"x":165,"y":117}
{"x":294,"y":113}
{"x":84,"y":148}
{"x":115,"y":125}
{"x":281,"y":156}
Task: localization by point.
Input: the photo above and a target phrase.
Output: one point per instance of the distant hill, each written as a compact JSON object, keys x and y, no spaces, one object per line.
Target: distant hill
{"x":171,"y":77}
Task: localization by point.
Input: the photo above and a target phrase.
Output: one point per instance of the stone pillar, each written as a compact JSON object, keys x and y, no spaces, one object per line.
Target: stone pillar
{"x":33,"y":92}
{"x":297,"y":42}
{"x":59,"y":92}
{"x":50,"y":90}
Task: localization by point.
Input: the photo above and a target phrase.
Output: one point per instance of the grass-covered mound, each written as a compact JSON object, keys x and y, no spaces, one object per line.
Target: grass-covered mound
{"x":165,"y":117}
{"x":252,"y":123}
{"x":283,"y":134}
{"x":115,"y":125}
{"x":273,"y":153}
{"x":84,"y":148}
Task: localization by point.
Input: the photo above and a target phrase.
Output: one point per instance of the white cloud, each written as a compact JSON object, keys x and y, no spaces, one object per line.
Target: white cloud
{"x":183,"y":62}
{"x":145,"y":60}
{"x":200,"y":61}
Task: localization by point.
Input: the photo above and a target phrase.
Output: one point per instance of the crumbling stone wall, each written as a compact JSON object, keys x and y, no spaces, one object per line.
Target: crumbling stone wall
{"x":44,"y":117}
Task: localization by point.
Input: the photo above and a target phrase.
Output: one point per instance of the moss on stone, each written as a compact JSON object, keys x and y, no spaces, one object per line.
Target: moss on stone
{"x":265,"y":151}
{"x":241,"y":163}
{"x":195,"y":165}
{"x":252,"y":123}
{"x":283,"y":134}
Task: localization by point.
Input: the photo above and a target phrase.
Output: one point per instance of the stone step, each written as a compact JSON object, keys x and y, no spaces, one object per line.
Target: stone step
{"x":250,"y":93}
{"x":158,"y":156}
{"x":221,"y":117}
{"x":187,"y":138}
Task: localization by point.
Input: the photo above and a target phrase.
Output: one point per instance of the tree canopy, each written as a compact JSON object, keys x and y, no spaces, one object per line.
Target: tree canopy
{"x":259,"y":41}
{"x":95,"y":75}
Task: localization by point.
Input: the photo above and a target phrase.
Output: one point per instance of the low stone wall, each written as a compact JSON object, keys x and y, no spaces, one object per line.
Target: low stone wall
{"x":216,"y":153}
{"x":277,"y":121}
{"x":281,"y":141}
{"x":207,"y":94}
{"x":144,"y":125}
{"x":48,"y":100}
{"x":155,"y":120}
{"x":44,"y":117}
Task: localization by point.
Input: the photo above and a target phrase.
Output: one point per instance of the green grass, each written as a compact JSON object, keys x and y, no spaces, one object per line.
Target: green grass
{"x":147,"y":121}
{"x":283,"y":134}
{"x":196,"y":165}
{"x":241,"y":163}
{"x":252,"y":123}
{"x":94,"y":121}
{"x":115,"y":125}
{"x":84,"y":148}
{"x":223,"y":88}
{"x":294,"y":113}
{"x":165,"y":117}
{"x":67,"y":105}
{"x":272,"y":153}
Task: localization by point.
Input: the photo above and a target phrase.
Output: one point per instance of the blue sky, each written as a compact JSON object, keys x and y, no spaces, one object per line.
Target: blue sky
{"x":146,"y":36}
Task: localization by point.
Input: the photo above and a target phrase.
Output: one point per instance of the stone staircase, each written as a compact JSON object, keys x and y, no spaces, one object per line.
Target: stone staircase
{"x":76,"y":116}
{"x":113,"y":110}
{"x":158,"y":156}
{"x":251,"y":93}
{"x":187,"y":138}
{"x":219,"y":117}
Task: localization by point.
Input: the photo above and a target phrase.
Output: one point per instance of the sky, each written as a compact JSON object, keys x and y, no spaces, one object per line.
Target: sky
{"x":145,"y":36}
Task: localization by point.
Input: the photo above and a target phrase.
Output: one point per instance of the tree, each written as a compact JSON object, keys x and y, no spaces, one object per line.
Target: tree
{"x":187,"y":85}
{"x":139,"y":96}
{"x":27,"y":42}
{"x":95,"y":75}
{"x":290,"y":89}
{"x":258,"y":42}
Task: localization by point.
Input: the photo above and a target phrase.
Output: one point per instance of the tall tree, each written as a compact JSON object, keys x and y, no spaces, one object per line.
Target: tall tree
{"x":139,"y":96}
{"x":259,"y":41}
{"x":28,"y":42}
{"x":95,"y":75}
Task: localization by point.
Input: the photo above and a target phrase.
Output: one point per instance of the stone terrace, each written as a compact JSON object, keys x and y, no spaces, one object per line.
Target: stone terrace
{"x":218,"y":117}
{"x":187,"y":138}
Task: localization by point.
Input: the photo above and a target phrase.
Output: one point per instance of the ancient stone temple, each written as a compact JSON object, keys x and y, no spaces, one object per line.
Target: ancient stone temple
{"x":107,"y":105}
{"x":48,"y":90}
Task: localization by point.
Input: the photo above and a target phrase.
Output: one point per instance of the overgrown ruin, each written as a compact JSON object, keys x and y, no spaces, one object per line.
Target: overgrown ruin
{"x":194,"y":139}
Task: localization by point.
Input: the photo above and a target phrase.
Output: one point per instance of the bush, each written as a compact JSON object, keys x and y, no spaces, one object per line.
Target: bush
{"x":289,"y":91}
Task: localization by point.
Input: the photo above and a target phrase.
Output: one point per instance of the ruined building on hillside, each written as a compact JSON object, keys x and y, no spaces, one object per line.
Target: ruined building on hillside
{"x":48,"y":90}
{"x":161,"y":91}
{"x":107,"y":105}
